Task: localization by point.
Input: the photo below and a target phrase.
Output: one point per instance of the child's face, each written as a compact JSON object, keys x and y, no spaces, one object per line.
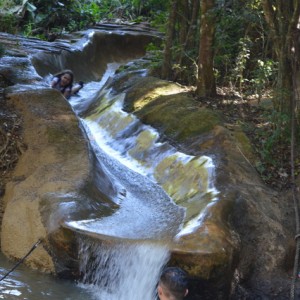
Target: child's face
{"x":65,"y":79}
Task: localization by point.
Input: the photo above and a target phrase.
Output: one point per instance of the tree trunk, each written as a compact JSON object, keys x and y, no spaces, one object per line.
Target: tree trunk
{"x":206,"y":85}
{"x":188,"y":38}
{"x":282,"y":19}
{"x":167,"y":60}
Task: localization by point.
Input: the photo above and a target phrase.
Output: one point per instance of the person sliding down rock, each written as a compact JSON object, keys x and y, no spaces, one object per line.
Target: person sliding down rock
{"x":63,"y":82}
{"x":77,"y":87}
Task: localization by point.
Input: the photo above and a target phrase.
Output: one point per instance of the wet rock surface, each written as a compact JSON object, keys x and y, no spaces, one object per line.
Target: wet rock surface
{"x":52,"y":179}
{"x":54,"y":163}
{"x":244,"y":248}
{"x":250,"y":228}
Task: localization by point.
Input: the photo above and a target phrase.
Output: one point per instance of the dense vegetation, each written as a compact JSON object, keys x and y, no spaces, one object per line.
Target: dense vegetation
{"x":43,"y":17}
{"x":246,"y":50}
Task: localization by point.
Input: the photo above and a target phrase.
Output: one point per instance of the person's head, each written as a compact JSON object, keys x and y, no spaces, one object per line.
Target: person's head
{"x":173,"y":284}
{"x":66,"y":78}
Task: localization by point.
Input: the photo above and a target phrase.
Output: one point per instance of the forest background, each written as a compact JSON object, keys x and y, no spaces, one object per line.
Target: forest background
{"x":237,"y":56}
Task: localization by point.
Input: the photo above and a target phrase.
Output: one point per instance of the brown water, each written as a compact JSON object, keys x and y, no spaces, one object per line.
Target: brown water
{"x":26,"y":284}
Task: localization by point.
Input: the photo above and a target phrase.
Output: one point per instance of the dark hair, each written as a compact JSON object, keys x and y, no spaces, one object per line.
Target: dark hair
{"x":175,"y":280}
{"x":69,"y":72}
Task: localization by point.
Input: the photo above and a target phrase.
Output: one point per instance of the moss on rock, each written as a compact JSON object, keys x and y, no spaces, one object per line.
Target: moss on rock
{"x":167,"y":107}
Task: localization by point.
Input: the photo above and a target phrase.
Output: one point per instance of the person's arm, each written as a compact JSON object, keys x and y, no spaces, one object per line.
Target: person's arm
{"x":77,"y":87}
{"x":54,"y":82}
{"x":67,"y":93}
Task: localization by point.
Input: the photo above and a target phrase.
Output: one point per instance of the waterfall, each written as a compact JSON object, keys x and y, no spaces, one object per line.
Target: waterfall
{"x":123,"y":271}
{"x":161,"y":195}
{"x":188,"y":180}
{"x":164,"y":192}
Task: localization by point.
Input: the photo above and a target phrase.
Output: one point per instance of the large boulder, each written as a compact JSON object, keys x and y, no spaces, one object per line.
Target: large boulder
{"x":247,"y":218}
{"x":55,"y":164}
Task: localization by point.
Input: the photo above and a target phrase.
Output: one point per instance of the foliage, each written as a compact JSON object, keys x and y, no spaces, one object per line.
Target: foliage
{"x":17,"y":8}
{"x":228,"y":33}
{"x":272,"y":139}
{"x":262,"y":76}
{"x":70,"y":15}
{"x":134,"y":10}
{"x":241,"y":62}
{"x":240,"y":42}
{"x":54,"y":16}
{"x":158,"y":20}
{"x":282,"y":17}
{"x":8,"y":23}
{"x":155,"y":52}
{"x":46,"y":16}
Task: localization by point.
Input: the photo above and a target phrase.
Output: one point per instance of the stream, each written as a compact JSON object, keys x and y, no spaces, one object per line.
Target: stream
{"x":138,"y":259}
{"x":26,"y":284}
{"x":147,"y":219}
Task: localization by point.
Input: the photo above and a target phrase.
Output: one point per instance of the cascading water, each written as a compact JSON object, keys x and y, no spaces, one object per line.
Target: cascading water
{"x":161,"y":193}
{"x":139,"y":165}
{"x":129,"y":267}
{"x":124,"y":271}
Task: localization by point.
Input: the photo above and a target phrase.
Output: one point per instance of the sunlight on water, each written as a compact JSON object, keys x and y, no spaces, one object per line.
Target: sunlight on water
{"x":122,"y":271}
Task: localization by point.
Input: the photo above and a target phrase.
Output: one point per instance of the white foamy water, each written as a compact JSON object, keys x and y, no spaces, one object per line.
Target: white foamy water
{"x":122,"y":271}
{"x":138,"y":147}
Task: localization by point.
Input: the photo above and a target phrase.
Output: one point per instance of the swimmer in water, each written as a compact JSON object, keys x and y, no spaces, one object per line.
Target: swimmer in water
{"x":173,"y":284}
{"x":63,"y":82}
